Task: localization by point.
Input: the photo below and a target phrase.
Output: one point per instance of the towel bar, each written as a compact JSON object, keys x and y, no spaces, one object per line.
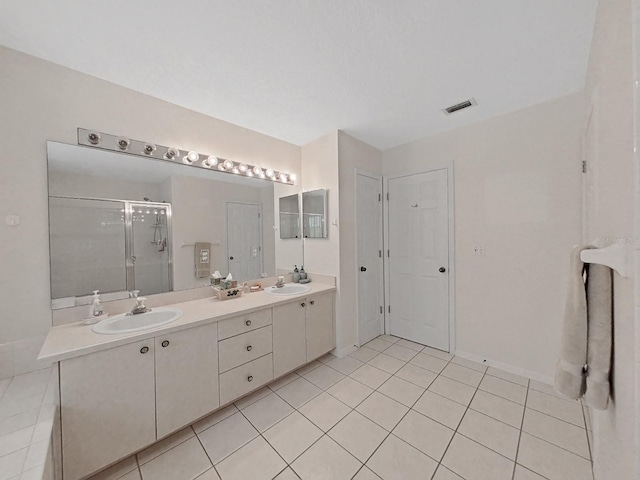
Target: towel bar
{"x":616,"y":257}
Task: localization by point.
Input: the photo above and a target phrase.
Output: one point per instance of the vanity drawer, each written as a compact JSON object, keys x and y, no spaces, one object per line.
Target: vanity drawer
{"x":244,"y":323}
{"x":243,"y":348}
{"x":245,"y":378}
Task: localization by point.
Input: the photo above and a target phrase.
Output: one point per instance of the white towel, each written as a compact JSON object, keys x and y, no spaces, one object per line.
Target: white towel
{"x":600,"y":319}
{"x":569,"y":379}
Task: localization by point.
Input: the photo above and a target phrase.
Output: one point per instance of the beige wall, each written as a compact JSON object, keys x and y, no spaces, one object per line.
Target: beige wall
{"x":42,"y":101}
{"x":610,"y":213}
{"x":352,"y":154}
{"x":517,"y":193}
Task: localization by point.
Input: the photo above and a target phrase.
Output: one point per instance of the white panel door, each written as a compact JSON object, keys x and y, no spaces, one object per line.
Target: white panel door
{"x":419,"y":257}
{"x":244,"y":240}
{"x":369,"y":261}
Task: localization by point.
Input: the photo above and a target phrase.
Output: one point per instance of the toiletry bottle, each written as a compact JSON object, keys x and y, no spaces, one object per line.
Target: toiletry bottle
{"x":96,"y":307}
{"x":303,"y":274}
{"x":296,"y":274}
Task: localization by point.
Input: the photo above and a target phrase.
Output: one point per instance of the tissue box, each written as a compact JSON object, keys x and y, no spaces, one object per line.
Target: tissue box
{"x":227,"y":293}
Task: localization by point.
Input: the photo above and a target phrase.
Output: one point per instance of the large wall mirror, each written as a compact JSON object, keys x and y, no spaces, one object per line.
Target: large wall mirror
{"x":120,"y":222}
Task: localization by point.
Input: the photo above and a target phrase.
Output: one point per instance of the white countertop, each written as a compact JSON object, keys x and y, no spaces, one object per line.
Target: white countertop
{"x":76,"y":339}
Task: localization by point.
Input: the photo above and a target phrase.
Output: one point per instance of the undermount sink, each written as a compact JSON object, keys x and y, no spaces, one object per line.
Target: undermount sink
{"x":288,"y":289}
{"x":126,"y":323}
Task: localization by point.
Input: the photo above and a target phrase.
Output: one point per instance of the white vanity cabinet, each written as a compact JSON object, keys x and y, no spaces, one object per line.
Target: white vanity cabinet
{"x":186,"y":377}
{"x":289,"y":337}
{"x":108,"y":406}
{"x":320,"y":334}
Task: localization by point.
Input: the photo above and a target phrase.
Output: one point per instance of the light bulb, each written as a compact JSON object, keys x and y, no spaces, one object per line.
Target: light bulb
{"x":269,"y":173}
{"x":221,"y":167}
{"x":228,"y":164}
{"x":249,"y":173}
{"x":94,"y":138}
{"x":257,"y":171}
{"x":172,"y":153}
{"x":123,"y":143}
{"x":262,"y":175}
{"x":161,"y":212}
{"x":149,"y":148}
{"x":235,"y":170}
{"x":242,"y":167}
{"x":293,"y":177}
{"x":283,"y":177}
{"x":210,"y":162}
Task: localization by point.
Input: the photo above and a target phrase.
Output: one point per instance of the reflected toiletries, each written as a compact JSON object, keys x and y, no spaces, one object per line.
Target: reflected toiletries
{"x":296,"y":275}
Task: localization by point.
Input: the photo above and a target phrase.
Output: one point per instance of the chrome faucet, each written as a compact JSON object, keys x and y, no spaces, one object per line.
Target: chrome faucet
{"x":140,"y":306}
{"x":280,"y":282}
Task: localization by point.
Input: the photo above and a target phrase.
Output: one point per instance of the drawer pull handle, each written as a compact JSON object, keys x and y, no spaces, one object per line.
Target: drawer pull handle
{"x":312,"y":302}
{"x":249,"y":348}
{"x":302,"y":304}
{"x":250,"y":378}
{"x":144,"y":350}
{"x":165,"y":343}
{"x":248,"y":323}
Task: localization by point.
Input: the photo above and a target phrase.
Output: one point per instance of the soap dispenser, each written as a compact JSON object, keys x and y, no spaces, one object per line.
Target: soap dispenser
{"x":296,"y":275}
{"x":96,"y":312}
{"x":303,"y":274}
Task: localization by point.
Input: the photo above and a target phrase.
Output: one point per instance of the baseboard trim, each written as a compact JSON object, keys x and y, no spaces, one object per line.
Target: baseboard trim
{"x":507,"y":368}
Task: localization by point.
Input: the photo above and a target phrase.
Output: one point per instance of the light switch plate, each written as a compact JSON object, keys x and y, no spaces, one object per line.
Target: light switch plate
{"x":12,"y":220}
{"x":478,"y":250}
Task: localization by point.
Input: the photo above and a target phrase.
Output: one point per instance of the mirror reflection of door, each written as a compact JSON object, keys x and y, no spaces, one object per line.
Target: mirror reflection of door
{"x":314,"y":209}
{"x":244,"y":240}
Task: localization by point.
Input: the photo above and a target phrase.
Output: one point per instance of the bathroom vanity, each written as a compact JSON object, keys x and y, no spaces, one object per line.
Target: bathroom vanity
{"x":121,"y":393}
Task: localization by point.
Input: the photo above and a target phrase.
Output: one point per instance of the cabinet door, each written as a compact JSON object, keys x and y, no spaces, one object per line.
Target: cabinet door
{"x":289,"y":349}
{"x":108,"y":407}
{"x":320,"y":329}
{"x":186,"y":377}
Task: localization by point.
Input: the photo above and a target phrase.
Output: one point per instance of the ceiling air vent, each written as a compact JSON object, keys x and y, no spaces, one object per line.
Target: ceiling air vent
{"x":459,"y":106}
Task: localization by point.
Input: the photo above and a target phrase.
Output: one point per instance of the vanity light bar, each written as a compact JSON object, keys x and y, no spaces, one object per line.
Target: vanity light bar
{"x":105,"y":141}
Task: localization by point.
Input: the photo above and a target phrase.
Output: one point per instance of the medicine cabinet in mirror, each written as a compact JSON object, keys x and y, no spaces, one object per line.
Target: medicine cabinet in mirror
{"x":314,"y":213}
{"x":121,"y":222}
{"x":290,"y":216}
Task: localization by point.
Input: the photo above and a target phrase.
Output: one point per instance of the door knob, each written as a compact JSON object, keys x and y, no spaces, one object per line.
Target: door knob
{"x":165,"y":343}
{"x":230,"y":258}
{"x":363,"y":269}
{"x":442,"y":269}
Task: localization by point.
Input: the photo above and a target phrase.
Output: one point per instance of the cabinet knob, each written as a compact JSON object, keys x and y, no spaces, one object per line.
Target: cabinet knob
{"x":312,"y":302}
{"x":250,"y":378}
{"x":165,"y":343}
{"x":249,"y":348}
{"x":442,"y":269}
{"x":302,"y":304}
{"x":144,"y":350}
{"x":248,"y":323}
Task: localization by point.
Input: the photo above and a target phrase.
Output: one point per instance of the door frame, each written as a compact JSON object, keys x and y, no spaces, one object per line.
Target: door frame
{"x":226,"y":224}
{"x":379,"y":178}
{"x":433,"y":166}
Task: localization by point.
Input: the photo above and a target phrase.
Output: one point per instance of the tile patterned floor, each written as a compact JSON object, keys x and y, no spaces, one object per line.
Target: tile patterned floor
{"x":393,"y":409}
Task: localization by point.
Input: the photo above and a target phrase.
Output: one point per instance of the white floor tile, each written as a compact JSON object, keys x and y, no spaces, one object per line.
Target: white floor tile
{"x":256,"y":460}
{"x":358,"y":435}
{"x":404,"y":392}
{"x":118,"y":470}
{"x":522,"y":473}
{"x":463,"y":374}
{"x":560,"y":433}
{"x":210,"y":474}
{"x":425,"y":434}
{"x":409,"y":344}
{"x":292,"y":436}
{"x":387,"y":363}
{"x":443,"y":473}
{"x":503,"y":388}
{"x":378,"y":344}
{"x":15,"y":441}
{"x":326,"y":460}
{"x":499,"y":408}
{"x":187,"y":460}
{"x":325,"y":411}
{"x":550,"y":461}
{"x":298,"y":392}
{"x":282,"y":381}
{"x":397,"y":460}
{"x":371,"y":376}
{"x":510,"y":377}
{"x":323,"y":377}
{"x":214,"y":418}
{"x":567,"y":410}
{"x":434,"y":352}
{"x":287,"y":474}
{"x":430,"y":363}
{"x":227,"y":436}
{"x":453,"y":390}
{"x":389,"y":338}
{"x":364,"y":354}
{"x":382,"y":410}
{"x":345,"y":365}
{"x":491,"y":433}
{"x":267,"y":411}
{"x":244,"y":402}
{"x":165,"y":445}
{"x":326,"y":358}
{"x":440,"y":409}
{"x":366,"y":474}
{"x":471,"y":460}
{"x":308,"y":368}
{"x":414,"y":374}
{"x":545,"y":388}
{"x":400,"y":352}
{"x":11,"y":464}
{"x":350,"y":392}
{"x":469,"y":364}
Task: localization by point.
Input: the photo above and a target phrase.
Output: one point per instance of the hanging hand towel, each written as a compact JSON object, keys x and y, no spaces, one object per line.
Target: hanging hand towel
{"x":569,"y":379}
{"x":599,"y":314}
{"x":202,"y":259}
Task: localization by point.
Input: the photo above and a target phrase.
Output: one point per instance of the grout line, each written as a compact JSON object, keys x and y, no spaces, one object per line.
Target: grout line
{"x":584,"y":414}
{"x":524,"y":412}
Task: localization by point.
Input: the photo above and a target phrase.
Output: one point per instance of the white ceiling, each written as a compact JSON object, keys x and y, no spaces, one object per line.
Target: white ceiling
{"x":381,"y":70}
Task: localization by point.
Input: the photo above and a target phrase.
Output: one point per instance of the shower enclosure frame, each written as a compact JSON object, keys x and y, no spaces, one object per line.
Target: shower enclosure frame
{"x":129,"y":237}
